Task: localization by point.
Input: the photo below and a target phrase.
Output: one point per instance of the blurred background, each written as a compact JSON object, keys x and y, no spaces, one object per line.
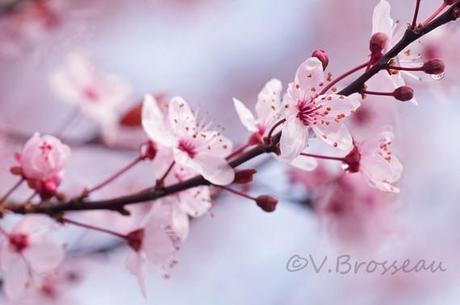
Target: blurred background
{"x":209,"y":51}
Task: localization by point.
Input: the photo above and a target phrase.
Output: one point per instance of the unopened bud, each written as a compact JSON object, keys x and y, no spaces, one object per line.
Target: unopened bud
{"x":404,"y":93}
{"x":244,"y":176}
{"x":322,"y":56}
{"x":434,"y":66}
{"x":135,"y":239}
{"x":16,"y":170}
{"x":267,"y":203}
{"x":378,"y":42}
{"x":47,"y":190}
{"x":148,"y":150}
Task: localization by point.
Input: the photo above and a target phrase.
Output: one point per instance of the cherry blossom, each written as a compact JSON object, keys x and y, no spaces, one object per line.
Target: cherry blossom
{"x":375,"y":160}
{"x":28,"y":251}
{"x":306,"y":111}
{"x":42,"y":162}
{"x":410,"y":57}
{"x":155,"y":242}
{"x":268,"y":109}
{"x":193,"y":145}
{"x":98,"y":94}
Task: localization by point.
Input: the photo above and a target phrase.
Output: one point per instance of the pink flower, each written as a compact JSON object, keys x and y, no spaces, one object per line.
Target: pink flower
{"x":410,"y":57}
{"x":268,"y":110}
{"x":27,"y":251}
{"x":99,"y":95}
{"x":42,"y":162}
{"x":375,"y":160}
{"x":306,"y":110}
{"x":194,"y":147}
{"x":155,"y":242}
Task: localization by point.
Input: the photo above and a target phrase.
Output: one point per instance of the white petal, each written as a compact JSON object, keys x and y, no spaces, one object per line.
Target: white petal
{"x":44,"y":255}
{"x":196,"y":201}
{"x":334,"y":134}
{"x":181,"y":117}
{"x":381,"y":19}
{"x":153,"y":122}
{"x":134,"y":264}
{"x":310,"y":74}
{"x":215,"y":169}
{"x":268,"y":104}
{"x":212,"y":143}
{"x":180,"y":221}
{"x":293,"y":139}
{"x":245,"y":115}
{"x":16,"y":277}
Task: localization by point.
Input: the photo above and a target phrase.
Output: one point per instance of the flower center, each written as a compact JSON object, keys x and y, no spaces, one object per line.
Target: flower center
{"x":91,"y":95}
{"x":187,"y":147}
{"x":19,"y":242}
{"x":307,"y":111}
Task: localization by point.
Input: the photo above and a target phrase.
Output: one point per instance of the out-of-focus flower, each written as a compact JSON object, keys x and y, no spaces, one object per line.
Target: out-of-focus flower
{"x":268,"y":110}
{"x":98,"y":94}
{"x":28,"y":251}
{"x":375,"y":160}
{"x":194,"y":147}
{"x":155,"y":242}
{"x":42,"y":162}
{"x":306,"y":110}
{"x":353,"y":213}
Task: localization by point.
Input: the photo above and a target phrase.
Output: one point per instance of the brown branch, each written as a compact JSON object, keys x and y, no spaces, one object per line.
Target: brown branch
{"x":119,"y":203}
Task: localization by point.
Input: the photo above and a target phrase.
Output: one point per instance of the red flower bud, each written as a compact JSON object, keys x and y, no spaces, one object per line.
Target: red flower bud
{"x":404,"y":93}
{"x":244,"y":176}
{"x":135,"y":239}
{"x":47,"y":190}
{"x":16,"y":170}
{"x":148,"y":150}
{"x":267,"y":203}
{"x":378,"y":42}
{"x":434,"y":66}
{"x":322,"y":56}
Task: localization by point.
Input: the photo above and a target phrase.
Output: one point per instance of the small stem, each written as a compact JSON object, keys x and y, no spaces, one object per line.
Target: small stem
{"x":417,"y":9}
{"x":238,"y":151}
{"x":91,"y":227}
{"x":341,"y":77}
{"x":11,"y":190}
{"x":270,"y":133}
{"x":161,"y":181}
{"x":236,"y":192}
{"x":114,"y":176}
{"x":435,"y":14}
{"x":378,"y":93}
{"x":323,"y":157}
{"x":405,"y":68}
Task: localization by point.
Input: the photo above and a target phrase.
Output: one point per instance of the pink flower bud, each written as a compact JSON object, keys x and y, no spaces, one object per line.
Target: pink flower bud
{"x":378,"y":42}
{"x":267,"y":203}
{"x":404,"y":93}
{"x":244,"y":176}
{"x":43,"y":158}
{"x":148,"y":150}
{"x":48,"y":189}
{"x":434,"y":66}
{"x":322,"y":56}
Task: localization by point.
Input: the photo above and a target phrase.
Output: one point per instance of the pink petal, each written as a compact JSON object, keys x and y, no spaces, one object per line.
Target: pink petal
{"x":245,"y":115}
{"x":310,"y":74}
{"x":195,"y":202}
{"x":181,"y":117}
{"x":305,"y":163}
{"x":44,"y":255}
{"x":16,"y":276}
{"x":214,"y":169}
{"x":293,"y":139}
{"x":381,"y":20}
{"x":268,"y":104}
{"x":134,"y":264}
{"x":153,"y":122}
{"x":336,"y":135}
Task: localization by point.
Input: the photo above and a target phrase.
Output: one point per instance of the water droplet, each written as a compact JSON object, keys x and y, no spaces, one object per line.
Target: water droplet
{"x":438,"y":76}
